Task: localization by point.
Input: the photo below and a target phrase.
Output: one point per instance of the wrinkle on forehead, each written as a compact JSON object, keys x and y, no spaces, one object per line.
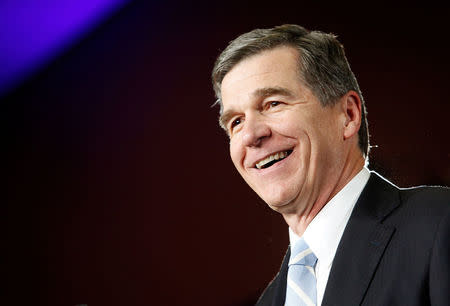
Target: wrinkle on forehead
{"x":238,"y":76}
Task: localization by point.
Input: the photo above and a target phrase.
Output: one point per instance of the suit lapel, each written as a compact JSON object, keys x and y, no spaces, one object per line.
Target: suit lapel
{"x":362,"y":245}
{"x":280,"y":290}
{"x":275,"y":293}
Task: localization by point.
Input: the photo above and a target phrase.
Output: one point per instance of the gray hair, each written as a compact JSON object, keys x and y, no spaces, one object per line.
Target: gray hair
{"x":323,"y":67}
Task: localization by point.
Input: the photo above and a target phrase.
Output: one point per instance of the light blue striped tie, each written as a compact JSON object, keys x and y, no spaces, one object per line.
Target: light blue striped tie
{"x":301,"y":279}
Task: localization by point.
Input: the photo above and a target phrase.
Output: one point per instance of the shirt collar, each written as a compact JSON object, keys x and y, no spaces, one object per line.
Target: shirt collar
{"x":325,"y":230}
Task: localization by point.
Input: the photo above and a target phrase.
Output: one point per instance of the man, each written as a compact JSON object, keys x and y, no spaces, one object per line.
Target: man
{"x":298,"y":136}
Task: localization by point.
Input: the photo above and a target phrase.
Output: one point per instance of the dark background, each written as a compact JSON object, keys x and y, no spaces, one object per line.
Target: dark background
{"x":120,"y":188}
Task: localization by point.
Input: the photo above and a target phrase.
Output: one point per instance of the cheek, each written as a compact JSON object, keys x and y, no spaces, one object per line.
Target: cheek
{"x":235,"y":154}
{"x":293,"y":124}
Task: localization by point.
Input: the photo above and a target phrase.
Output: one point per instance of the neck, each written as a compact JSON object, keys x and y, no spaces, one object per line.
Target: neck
{"x":299,"y":221}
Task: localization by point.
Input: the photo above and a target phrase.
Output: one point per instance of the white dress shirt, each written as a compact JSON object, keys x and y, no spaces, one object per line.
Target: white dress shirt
{"x":325,"y":230}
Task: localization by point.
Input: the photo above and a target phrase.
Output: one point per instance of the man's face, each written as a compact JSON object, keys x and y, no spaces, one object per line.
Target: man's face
{"x":286,"y":146}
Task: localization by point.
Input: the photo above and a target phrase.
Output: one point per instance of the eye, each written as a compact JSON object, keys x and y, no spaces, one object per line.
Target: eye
{"x":235,"y":122}
{"x":274,"y":103}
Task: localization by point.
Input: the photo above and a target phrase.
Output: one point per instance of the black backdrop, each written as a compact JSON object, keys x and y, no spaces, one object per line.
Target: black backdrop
{"x":120,"y":189}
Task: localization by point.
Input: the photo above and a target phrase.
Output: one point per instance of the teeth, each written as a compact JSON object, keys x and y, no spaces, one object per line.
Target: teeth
{"x":270,"y":158}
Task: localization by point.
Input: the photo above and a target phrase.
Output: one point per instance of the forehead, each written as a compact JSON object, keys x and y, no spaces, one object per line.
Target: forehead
{"x":277,"y":67}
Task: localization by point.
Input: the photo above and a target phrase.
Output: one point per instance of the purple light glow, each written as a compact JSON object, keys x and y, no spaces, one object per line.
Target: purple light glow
{"x":33,"y":32}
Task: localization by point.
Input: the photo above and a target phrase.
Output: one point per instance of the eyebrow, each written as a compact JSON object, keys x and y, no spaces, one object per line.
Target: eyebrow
{"x":259,"y":93}
{"x":225,"y":117}
{"x":271,"y":91}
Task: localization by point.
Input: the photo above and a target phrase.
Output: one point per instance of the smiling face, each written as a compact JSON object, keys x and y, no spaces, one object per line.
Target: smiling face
{"x":286,"y":146}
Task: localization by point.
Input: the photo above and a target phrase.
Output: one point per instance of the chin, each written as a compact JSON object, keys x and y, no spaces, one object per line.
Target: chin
{"x":278,"y":201}
{"x":281,"y":198}
{"x":284,"y":208}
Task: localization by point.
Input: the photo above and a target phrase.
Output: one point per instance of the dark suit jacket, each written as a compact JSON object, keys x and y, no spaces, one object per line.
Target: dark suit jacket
{"x":395,"y":250}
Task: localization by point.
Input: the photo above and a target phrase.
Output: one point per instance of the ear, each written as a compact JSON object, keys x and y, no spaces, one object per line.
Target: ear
{"x":351,"y":106}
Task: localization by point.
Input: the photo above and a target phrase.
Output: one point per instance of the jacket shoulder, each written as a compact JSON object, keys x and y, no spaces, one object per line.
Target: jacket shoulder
{"x":436,"y":195}
{"x":428,"y":200}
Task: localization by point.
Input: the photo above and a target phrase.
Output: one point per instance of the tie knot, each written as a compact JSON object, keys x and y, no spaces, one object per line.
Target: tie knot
{"x":301,"y":254}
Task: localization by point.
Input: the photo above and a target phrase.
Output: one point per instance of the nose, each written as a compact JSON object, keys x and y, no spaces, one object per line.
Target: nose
{"x":255,"y":130}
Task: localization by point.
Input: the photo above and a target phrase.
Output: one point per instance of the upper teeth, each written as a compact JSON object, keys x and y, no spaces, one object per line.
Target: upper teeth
{"x":270,"y":158}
